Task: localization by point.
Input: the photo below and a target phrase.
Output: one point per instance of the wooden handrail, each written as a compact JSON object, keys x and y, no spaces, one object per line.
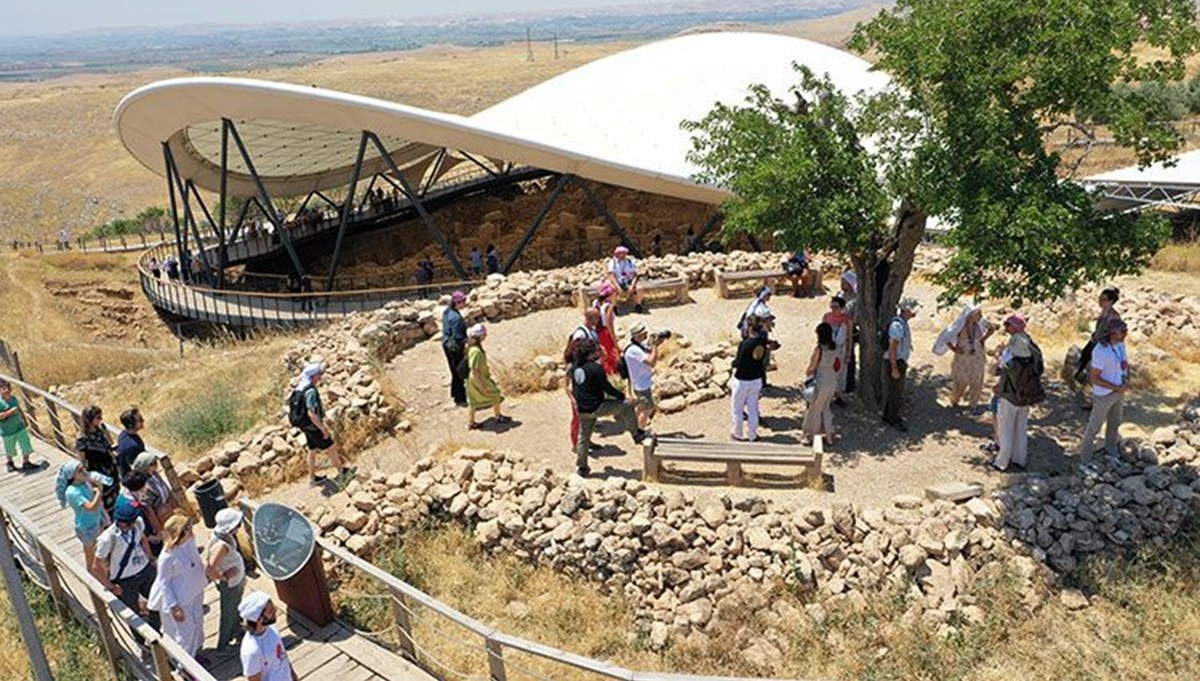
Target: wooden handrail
{"x":105,"y":604}
{"x":495,"y":640}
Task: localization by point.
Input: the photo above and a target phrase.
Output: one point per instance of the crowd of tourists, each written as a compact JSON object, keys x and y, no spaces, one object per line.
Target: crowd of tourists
{"x":605,"y":380}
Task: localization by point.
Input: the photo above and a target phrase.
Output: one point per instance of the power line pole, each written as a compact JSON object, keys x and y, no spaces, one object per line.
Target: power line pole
{"x":555,"y":47}
{"x":528,"y":45}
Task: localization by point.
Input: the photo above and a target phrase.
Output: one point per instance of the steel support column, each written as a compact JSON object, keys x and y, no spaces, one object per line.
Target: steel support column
{"x":559,"y":186}
{"x":170,"y":168}
{"x":237,"y":227}
{"x":434,"y":170}
{"x":472,"y":159}
{"x":265,"y":198}
{"x":188,"y":217}
{"x":709,"y":225}
{"x":416,"y":201}
{"x":222,"y":246}
{"x":345,"y":211}
{"x":599,"y":205}
{"x":191,"y":186}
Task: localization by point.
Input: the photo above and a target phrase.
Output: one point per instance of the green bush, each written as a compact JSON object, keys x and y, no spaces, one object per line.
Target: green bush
{"x":149,"y":220}
{"x":215,"y":413}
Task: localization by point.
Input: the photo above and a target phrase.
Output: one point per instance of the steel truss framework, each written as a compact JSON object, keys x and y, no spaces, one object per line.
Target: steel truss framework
{"x":1136,"y":195}
{"x":185,"y":199}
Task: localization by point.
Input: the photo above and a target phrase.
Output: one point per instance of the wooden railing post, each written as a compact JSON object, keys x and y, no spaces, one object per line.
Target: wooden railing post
{"x":54,"y":579}
{"x":20,"y":606}
{"x":168,"y":470}
{"x":408,"y":645}
{"x":496,"y":659}
{"x":55,"y":424}
{"x":107,"y":636}
{"x":162,"y":663}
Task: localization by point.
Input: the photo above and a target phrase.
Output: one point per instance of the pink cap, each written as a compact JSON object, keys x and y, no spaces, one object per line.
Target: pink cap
{"x":1017,"y":322}
{"x":620,"y":250}
{"x":458,"y":297}
{"x":606,"y":290}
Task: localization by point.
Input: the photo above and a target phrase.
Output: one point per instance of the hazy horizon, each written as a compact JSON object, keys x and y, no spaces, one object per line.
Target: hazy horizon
{"x":85,"y":16}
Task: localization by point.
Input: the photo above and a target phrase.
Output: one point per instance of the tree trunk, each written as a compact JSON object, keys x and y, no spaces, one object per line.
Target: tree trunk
{"x":882,"y":273}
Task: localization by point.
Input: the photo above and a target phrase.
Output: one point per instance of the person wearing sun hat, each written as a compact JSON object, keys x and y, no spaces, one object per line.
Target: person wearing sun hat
{"x":227,"y":568}
{"x":454,"y":345}
{"x":315,"y":430}
{"x":482,"y":391}
{"x":606,"y":331}
{"x":622,"y":273}
{"x":1108,"y":373}
{"x":263,"y":655}
{"x":1013,"y":403}
{"x":639,"y":362}
{"x":178,"y":591}
{"x":895,"y":361}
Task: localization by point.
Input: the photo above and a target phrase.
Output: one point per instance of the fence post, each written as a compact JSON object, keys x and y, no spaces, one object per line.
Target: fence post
{"x":55,"y":424}
{"x":496,"y":659}
{"x":408,"y":646}
{"x":107,"y":637}
{"x":168,"y":471}
{"x":16,"y":594}
{"x":54,"y":579}
{"x":162,"y":664}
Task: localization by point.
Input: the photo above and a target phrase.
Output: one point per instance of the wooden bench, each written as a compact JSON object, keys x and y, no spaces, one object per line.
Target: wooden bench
{"x":774,"y":278}
{"x":677,"y":287}
{"x":734,"y":455}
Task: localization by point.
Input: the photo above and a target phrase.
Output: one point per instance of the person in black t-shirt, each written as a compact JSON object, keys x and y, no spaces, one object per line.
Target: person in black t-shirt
{"x":748,"y":373}
{"x":590,"y":387}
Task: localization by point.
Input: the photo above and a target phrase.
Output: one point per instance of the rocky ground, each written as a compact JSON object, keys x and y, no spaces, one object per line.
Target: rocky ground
{"x":690,"y":556}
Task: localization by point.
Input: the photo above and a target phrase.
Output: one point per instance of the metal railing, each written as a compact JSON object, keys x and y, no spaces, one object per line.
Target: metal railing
{"x":407,"y":601}
{"x":73,"y":589}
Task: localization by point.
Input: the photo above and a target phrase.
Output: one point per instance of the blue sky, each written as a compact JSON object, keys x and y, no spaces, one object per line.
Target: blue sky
{"x":26,"y":17}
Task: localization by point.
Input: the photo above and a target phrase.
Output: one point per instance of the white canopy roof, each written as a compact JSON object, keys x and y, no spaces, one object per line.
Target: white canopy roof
{"x":1159,"y":185}
{"x":615,"y":120}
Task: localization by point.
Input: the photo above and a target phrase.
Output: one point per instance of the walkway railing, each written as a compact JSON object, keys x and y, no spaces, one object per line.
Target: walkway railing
{"x":74,"y":591}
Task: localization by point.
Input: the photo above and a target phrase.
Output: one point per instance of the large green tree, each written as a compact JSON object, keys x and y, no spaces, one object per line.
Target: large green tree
{"x":978,"y":89}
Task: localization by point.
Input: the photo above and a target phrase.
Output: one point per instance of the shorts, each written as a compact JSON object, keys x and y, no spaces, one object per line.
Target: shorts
{"x":645,"y":399}
{"x":625,"y":285}
{"x":88,"y":535}
{"x":316,"y":440}
{"x":18,"y":440}
{"x":994,"y":405}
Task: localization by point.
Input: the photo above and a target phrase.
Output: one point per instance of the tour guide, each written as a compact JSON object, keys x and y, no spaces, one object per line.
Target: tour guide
{"x":263,"y":656}
{"x":589,"y":385}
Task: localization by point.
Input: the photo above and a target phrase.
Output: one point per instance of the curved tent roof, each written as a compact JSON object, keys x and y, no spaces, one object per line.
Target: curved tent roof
{"x":615,"y":120}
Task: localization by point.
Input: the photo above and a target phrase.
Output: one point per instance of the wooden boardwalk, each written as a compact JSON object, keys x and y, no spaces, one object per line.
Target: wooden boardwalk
{"x":335,"y":651}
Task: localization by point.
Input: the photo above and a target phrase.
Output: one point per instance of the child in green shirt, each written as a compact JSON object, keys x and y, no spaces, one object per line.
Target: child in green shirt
{"x":13,"y":430}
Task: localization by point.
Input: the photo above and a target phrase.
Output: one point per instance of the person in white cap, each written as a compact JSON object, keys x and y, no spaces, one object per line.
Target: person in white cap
{"x":895,"y":361}
{"x":264,"y":658}
{"x":623,"y":274}
{"x":227,"y":568}
{"x":306,"y":412}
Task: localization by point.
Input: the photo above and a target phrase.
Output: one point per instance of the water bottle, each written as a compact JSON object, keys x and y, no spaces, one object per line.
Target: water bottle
{"x":100,"y":479}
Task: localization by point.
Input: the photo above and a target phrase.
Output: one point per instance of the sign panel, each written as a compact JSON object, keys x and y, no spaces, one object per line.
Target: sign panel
{"x":283,"y":539}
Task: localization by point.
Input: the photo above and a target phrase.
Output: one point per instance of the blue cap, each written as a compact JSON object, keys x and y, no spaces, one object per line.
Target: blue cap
{"x":125,"y":512}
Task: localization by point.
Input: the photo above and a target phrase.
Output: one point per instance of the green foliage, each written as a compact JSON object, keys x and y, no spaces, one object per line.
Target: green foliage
{"x":991,"y":80}
{"x":796,"y":169}
{"x":149,"y":220}
{"x":213,"y":413}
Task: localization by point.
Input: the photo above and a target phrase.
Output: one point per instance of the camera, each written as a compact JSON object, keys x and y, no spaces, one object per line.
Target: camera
{"x":662,"y":335}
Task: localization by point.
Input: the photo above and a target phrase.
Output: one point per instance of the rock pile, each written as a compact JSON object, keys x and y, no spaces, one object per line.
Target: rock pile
{"x":689,"y":565}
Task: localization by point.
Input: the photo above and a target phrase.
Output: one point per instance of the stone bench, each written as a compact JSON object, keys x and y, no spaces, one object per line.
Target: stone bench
{"x":733,"y":455}
{"x":775,"y":278}
{"x":677,"y":287}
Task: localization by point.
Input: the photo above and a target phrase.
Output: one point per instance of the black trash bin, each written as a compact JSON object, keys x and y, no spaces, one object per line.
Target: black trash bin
{"x":210,"y":496}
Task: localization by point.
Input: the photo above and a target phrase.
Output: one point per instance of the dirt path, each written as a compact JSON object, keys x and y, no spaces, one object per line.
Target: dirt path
{"x":869,"y":466}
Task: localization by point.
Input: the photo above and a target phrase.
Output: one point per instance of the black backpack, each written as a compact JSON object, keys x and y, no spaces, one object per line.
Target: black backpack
{"x":622,"y":364}
{"x":298,"y":410}
{"x":885,"y":338}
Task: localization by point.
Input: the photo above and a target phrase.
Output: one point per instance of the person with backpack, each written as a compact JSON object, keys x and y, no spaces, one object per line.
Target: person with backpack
{"x":1021,"y":368}
{"x":454,"y":345}
{"x":1109,"y":376}
{"x":123,"y":561}
{"x":306,"y":412}
{"x":897,"y":350}
{"x":596,"y":397}
{"x":606,"y":331}
{"x":637,"y":367}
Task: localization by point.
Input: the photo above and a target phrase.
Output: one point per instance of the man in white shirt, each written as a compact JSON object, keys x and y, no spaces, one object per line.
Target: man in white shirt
{"x":591,"y":322}
{"x":262,"y":653}
{"x":640,"y":363}
{"x":124,"y":563}
{"x":895,"y":359}
{"x":622,"y":273}
{"x":1109,"y":376}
